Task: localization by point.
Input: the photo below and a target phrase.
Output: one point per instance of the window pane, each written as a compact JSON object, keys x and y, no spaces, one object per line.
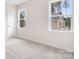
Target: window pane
{"x":66,"y":7}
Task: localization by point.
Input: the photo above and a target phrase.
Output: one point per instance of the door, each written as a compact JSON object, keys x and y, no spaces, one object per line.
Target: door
{"x":11,"y":24}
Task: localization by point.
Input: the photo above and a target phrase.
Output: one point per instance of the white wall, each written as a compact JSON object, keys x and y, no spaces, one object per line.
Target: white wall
{"x":37,"y":26}
{"x":10,"y":19}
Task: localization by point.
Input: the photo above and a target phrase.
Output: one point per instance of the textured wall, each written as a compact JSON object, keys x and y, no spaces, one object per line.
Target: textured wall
{"x":37,"y":26}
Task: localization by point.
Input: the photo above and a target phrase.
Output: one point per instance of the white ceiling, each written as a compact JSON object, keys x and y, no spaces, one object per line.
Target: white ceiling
{"x":15,"y":2}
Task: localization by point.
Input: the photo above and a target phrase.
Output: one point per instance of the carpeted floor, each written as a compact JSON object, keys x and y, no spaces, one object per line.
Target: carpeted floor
{"x":22,"y":49}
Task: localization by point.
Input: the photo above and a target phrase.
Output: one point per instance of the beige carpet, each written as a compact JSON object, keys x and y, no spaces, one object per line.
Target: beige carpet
{"x":23,"y":49}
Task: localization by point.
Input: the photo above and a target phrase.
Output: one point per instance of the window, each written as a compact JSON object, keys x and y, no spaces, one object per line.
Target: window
{"x":22,"y":18}
{"x":60,"y":13}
